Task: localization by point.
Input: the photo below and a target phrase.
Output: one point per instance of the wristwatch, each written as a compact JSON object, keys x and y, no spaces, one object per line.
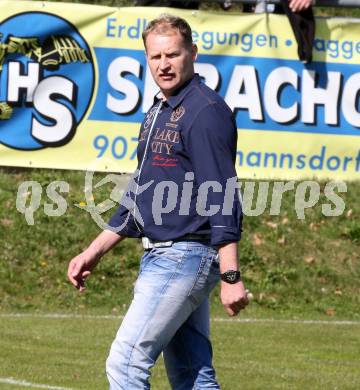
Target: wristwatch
{"x":230,"y":276}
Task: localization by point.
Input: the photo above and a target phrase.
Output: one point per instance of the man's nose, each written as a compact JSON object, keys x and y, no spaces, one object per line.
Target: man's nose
{"x":164,"y":63}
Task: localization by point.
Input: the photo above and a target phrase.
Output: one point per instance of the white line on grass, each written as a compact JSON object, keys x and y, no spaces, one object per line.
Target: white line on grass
{"x":275,"y":321}
{"x":13,"y":381}
{"x":216,"y":319}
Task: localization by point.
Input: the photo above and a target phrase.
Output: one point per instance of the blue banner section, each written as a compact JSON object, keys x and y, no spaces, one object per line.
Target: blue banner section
{"x":104,"y":58}
{"x":265,"y":94}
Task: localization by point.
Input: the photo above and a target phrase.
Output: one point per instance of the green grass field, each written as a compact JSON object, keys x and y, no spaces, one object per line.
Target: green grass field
{"x":70,"y":353}
{"x":297,"y":270}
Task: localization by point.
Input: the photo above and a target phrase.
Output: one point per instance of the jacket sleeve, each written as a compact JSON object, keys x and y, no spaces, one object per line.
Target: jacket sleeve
{"x":212,"y":143}
{"x":122,"y":221}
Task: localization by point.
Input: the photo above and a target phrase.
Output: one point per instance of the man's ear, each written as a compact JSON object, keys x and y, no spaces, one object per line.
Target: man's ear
{"x":194,"y":52}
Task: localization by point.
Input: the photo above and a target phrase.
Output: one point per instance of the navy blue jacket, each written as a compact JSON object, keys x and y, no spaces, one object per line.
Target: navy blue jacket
{"x":192,"y":133}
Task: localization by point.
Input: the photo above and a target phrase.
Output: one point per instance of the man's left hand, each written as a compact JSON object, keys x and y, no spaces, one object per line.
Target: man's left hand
{"x":233,"y":297}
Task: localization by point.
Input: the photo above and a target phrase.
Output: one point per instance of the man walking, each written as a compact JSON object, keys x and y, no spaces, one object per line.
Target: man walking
{"x":186,"y":150}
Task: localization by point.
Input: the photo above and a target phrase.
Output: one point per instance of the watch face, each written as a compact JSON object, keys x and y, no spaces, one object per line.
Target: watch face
{"x":231,"y":276}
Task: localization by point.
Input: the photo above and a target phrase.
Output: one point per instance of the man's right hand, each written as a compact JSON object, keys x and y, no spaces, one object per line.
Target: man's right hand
{"x":80,"y":266}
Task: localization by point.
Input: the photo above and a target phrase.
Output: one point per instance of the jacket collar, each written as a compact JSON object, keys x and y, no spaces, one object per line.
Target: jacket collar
{"x":179,"y":95}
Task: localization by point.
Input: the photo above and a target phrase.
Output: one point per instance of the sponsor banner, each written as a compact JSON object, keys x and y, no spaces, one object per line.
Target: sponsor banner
{"x":74,"y":87}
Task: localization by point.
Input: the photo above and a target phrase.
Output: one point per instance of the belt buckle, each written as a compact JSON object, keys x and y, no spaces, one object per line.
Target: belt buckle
{"x":162,"y":244}
{"x":148,"y":244}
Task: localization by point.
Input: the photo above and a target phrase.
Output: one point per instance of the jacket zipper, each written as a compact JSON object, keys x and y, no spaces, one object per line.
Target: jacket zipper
{"x":144,"y":158}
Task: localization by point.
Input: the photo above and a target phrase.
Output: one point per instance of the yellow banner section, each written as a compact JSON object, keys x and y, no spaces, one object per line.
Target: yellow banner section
{"x":74,"y":88}
{"x":297,"y":156}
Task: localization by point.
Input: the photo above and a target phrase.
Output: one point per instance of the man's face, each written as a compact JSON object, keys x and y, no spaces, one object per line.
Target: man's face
{"x":171,"y":63}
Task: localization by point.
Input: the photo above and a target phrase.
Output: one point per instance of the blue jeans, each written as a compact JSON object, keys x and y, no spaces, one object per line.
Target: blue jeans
{"x":169,"y":313}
